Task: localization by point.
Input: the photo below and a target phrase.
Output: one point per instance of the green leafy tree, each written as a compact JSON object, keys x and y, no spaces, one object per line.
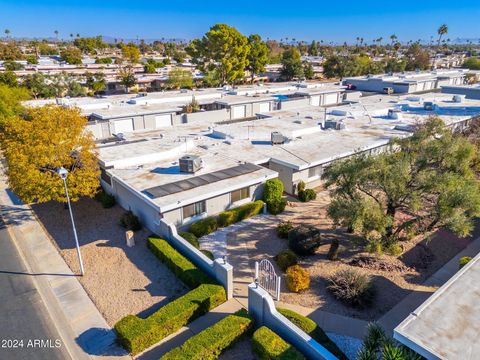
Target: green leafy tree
{"x":314,"y":50}
{"x":95,"y":82}
{"x":31,"y":59}
{"x":222,"y":49}
{"x":180,"y":79}
{"x":258,"y":55}
{"x":126,"y":76}
{"x":38,"y":86}
{"x":308,"y":70}
{"x":8,"y":78}
{"x":292,"y":66}
{"x":11,"y":65}
{"x":10,"y":51}
{"x":427,"y":183}
{"x":71,"y":55}
{"x":35,"y":147}
{"x":472,"y":63}
{"x":417,"y":58}
{"x":90,"y":45}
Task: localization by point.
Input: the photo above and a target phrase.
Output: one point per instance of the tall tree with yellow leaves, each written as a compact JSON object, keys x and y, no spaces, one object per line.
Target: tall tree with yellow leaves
{"x":45,"y":139}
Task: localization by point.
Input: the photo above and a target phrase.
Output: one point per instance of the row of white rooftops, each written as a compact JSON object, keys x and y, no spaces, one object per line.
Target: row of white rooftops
{"x":149,"y":159}
{"x":112,"y":106}
{"x":413,"y":76}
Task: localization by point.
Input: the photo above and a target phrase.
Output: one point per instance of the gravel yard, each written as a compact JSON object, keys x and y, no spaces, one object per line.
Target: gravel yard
{"x":120,"y":280}
{"x":394,"y":278}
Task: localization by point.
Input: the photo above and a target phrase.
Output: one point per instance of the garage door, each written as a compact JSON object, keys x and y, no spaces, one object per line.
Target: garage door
{"x":264,"y":107}
{"x":315,"y":101}
{"x":162,"y":121}
{"x":238,"y":112}
{"x":123,"y":126}
{"x":330,"y":99}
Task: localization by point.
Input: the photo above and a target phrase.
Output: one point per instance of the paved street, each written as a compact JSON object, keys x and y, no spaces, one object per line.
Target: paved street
{"x":23,"y":313}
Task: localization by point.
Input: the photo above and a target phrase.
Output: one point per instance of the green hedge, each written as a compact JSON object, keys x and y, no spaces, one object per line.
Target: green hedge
{"x":211,"y":342}
{"x":226,"y":218}
{"x":136,"y":334}
{"x":191,"y":238}
{"x":204,"y":227}
{"x":178,"y":264}
{"x":269,"y":346}
{"x":312,"y":329}
{"x":240,"y":213}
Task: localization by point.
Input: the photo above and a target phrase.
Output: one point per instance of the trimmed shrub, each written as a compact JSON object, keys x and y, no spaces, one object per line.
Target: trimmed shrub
{"x":178,"y":264}
{"x":107,"y":200}
{"x":300,"y":186}
{"x":304,"y":240}
{"x":269,"y":346}
{"x":192,"y":239}
{"x":285,"y":259}
{"x":283,"y":228}
{"x":136,"y":334}
{"x":277,"y":206}
{"x":298,"y":279}
{"x":312,"y":329}
{"x":240,"y":213}
{"x":307,"y":195}
{"x":208,"y":254}
{"x":273,"y":190}
{"x":272,"y":195}
{"x":211,"y":342}
{"x":130,"y":221}
{"x":352,"y":287}
{"x":204,"y":227}
{"x":333,"y":251}
{"x":463,"y":261}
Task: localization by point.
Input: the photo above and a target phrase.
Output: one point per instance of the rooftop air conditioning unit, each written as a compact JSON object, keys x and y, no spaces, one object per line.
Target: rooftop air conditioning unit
{"x":190,"y":164}
{"x":429,"y":106}
{"x":277,"y":138}
{"x":394,"y":114}
{"x":458,"y":98}
{"x":330,"y":124}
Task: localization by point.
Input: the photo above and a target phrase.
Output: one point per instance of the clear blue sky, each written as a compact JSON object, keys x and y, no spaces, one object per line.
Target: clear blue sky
{"x":337,"y":20}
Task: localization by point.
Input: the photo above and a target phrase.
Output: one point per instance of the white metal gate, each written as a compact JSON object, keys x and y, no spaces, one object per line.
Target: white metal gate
{"x":267,"y":278}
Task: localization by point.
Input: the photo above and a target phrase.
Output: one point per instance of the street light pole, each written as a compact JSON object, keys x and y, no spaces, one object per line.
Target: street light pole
{"x":62,"y":172}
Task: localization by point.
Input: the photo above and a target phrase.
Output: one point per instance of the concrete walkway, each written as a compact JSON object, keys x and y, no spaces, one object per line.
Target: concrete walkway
{"x":196,"y":326}
{"x":83,"y":330}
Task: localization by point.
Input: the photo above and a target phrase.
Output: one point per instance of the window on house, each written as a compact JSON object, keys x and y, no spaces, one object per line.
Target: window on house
{"x":315,"y":171}
{"x":194,"y":209}
{"x":239,"y":194}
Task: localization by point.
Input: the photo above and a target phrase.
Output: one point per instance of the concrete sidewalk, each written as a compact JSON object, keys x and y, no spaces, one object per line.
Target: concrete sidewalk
{"x":84,"y":331}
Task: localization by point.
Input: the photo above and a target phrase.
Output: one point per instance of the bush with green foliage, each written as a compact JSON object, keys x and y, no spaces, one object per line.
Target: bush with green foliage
{"x":240,"y":213}
{"x":300,"y":186}
{"x":333,"y":250}
{"x":307,"y":195}
{"x":352,"y":287}
{"x":283,"y":228}
{"x":105,"y":60}
{"x":464,"y":260}
{"x":211,"y":342}
{"x":285,"y":259}
{"x":137,"y":334}
{"x":272,"y":196}
{"x":269,"y":346}
{"x":130,"y":221}
{"x":107,"y":200}
{"x":276,"y":207}
{"x":304,"y":240}
{"x":193,"y":240}
{"x":315,"y":331}
{"x":298,"y":279}
{"x":183,"y":268}
{"x":204,"y":227}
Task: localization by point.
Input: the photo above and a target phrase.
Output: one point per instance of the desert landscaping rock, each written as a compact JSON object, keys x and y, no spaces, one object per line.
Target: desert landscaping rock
{"x":120,"y":280}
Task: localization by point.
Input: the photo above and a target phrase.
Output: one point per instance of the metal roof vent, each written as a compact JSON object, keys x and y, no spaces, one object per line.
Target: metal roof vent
{"x":190,"y":164}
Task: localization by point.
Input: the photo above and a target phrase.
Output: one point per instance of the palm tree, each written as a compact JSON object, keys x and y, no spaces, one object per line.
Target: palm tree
{"x":56,"y":34}
{"x":7,"y":33}
{"x":393,"y":38}
{"x":442,"y":30}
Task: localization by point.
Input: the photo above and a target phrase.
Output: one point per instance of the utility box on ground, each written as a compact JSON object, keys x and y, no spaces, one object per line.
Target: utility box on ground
{"x":129,"y":235}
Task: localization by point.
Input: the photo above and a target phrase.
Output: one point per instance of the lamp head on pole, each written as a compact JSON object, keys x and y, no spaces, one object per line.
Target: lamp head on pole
{"x":62,"y":172}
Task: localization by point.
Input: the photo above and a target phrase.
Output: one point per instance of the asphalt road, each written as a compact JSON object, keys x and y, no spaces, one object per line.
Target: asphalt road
{"x":26,"y":329}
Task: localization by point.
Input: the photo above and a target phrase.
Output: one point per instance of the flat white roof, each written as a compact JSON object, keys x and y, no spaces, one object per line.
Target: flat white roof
{"x":447,"y":325}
